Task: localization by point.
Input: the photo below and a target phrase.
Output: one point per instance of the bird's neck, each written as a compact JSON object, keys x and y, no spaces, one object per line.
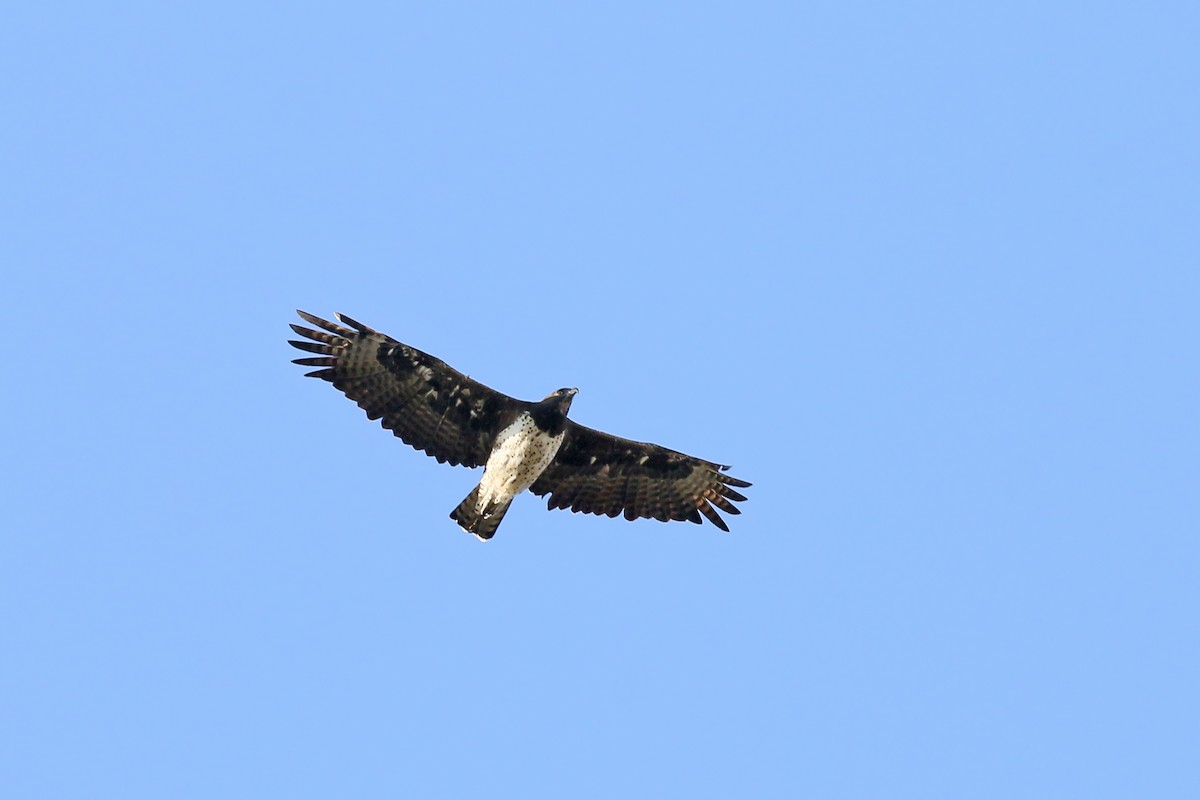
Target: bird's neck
{"x":548,"y":419}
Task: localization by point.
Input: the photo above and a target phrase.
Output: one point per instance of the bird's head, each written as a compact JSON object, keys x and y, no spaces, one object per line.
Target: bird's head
{"x":561,"y":399}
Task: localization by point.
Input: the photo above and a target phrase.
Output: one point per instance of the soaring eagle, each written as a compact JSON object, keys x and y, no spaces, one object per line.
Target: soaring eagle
{"x":520,"y":445}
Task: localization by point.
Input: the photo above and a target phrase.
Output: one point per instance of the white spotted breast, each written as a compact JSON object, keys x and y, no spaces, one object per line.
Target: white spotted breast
{"x":521,"y":452}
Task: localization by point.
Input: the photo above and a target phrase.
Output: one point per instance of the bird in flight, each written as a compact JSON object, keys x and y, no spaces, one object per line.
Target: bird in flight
{"x":520,"y":444}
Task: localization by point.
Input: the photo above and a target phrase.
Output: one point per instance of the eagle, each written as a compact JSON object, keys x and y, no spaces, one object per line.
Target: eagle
{"x":520,"y":444}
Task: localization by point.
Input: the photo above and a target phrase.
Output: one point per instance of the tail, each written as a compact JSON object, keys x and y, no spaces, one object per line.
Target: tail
{"x":481,"y":523}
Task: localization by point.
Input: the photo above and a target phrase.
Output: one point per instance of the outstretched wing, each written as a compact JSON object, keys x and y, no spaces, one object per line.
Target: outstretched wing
{"x":598,"y":473}
{"x":421,"y":399}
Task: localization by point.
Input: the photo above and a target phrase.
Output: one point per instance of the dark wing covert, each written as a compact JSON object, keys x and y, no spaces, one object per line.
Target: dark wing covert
{"x":598,"y":473}
{"x":419,"y":398}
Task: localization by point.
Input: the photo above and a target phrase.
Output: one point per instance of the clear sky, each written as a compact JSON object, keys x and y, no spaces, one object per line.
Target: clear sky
{"x":925,"y":273}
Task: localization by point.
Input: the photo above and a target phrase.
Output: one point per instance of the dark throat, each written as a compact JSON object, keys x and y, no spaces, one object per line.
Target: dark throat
{"x":548,"y":418}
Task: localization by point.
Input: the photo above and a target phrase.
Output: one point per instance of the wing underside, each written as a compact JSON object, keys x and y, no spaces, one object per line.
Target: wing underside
{"x":419,"y":398}
{"x":597,"y":473}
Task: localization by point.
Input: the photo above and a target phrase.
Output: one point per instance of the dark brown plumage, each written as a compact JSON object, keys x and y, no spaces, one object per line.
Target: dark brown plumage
{"x":455,"y":419}
{"x":419,"y":398}
{"x":598,"y":473}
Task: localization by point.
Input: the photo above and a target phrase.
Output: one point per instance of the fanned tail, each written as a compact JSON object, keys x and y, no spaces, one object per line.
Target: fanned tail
{"x":481,"y":523}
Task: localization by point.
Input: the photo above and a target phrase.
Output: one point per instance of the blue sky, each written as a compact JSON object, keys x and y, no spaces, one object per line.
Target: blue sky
{"x":925,"y":273}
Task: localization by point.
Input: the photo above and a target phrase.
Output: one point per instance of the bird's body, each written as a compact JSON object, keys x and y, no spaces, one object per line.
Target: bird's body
{"x":521,"y":444}
{"x":521,"y":453}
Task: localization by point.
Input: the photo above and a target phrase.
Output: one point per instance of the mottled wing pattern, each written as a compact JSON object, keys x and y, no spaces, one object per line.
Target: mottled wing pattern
{"x":597,"y":473}
{"x":419,"y":398}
